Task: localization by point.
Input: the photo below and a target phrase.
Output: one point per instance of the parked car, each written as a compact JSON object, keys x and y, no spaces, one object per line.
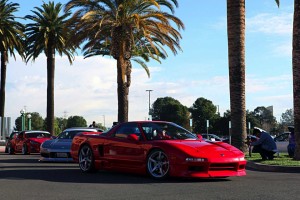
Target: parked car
{"x":58,"y":148}
{"x":282,"y":141}
{"x":27,"y":142}
{"x":8,"y":139}
{"x":158,"y":148}
{"x":213,"y":137}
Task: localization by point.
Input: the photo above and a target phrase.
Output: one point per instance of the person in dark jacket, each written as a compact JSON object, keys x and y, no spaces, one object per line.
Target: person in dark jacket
{"x":265,"y":145}
{"x":292,"y":142}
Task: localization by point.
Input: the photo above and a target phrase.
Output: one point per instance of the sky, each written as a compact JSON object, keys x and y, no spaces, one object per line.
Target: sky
{"x":88,"y":87}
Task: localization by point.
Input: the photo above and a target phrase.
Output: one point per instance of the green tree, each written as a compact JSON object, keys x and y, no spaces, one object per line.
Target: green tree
{"x":203,"y":110}
{"x":296,"y":76}
{"x":236,"y":59}
{"x":170,"y":109}
{"x":11,"y":39}
{"x":265,"y":117}
{"x":37,"y":122}
{"x":123,"y":29}
{"x":287,"y":118}
{"x":76,"y":121}
{"x":49,"y":33}
{"x":62,"y":123}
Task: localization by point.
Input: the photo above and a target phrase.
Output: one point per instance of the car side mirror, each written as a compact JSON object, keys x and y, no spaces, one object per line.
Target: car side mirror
{"x":200,"y":136}
{"x":133,"y":137}
{"x":53,"y":137}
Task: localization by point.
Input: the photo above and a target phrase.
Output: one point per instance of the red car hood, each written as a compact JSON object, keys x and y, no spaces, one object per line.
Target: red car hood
{"x":39,"y":140}
{"x":204,"y":149}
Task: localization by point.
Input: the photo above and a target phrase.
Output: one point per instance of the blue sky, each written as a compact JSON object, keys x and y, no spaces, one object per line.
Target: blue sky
{"x":89,"y":88}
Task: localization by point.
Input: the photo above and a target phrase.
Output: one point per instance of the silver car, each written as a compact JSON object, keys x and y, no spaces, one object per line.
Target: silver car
{"x":58,"y":148}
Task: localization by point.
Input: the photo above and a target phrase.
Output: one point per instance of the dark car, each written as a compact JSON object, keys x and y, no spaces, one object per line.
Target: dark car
{"x":8,"y":139}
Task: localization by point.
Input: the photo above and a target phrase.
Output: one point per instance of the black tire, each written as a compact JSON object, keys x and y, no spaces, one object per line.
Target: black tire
{"x":158,"y":165}
{"x":10,"y":150}
{"x":25,"y":149}
{"x":86,"y":159}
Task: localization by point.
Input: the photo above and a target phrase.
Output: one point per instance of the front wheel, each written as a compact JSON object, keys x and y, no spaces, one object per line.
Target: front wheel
{"x":25,"y":150}
{"x":86,"y":159}
{"x":10,"y":150}
{"x":158,"y":165}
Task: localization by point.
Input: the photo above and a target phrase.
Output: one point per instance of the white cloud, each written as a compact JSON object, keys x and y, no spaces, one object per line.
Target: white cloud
{"x":270,"y":24}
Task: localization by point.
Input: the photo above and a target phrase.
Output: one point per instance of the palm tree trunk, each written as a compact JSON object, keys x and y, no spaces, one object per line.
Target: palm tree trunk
{"x":50,"y":89}
{"x":236,"y":51}
{"x":3,"y":82}
{"x":123,"y":91}
{"x":296,"y":75}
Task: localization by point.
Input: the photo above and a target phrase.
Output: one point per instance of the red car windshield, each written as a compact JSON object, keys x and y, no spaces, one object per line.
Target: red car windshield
{"x":163,"y":131}
{"x":38,"y":135}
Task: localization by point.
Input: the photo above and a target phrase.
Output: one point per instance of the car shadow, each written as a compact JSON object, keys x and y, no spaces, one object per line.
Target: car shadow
{"x":29,"y":168}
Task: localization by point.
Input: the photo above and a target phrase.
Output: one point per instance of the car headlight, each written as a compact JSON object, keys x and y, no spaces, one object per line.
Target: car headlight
{"x":195,"y":159}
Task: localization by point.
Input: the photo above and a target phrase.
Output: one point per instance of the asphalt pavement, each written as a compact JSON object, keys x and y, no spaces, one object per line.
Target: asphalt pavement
{"x":250,"y":165}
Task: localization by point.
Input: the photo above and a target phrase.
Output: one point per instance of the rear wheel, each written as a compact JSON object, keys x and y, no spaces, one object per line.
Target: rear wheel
{"x":86,"y":159}
{"x":158,"y":165}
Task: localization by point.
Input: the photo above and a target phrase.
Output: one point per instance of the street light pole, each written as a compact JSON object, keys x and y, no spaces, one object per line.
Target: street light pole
{"x":103,"y":120}
{"x":149,"y":103}
{"x":23,"y":118}
{"x":29,"y":121}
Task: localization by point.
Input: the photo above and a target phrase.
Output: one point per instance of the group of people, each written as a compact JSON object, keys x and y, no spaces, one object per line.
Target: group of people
{"x":266,"y":145}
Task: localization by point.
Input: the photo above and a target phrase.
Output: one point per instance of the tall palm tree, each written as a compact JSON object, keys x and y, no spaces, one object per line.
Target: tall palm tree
{"x":127,"y":28}
{"x":11,"y":38}
{"x":236,"y":58}
{"x":296,"y":75}
{"x":49,"y":33}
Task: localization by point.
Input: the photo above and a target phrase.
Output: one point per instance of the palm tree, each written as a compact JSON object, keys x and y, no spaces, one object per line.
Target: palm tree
{"x":236,"y":57}
{"x":49,"y":33}
{"x":296,"y":76}
{"x":126,"y":29}
{"x":11,"y":38}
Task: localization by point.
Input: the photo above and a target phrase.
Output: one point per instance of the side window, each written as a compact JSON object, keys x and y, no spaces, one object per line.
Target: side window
{"x":126,"y":130}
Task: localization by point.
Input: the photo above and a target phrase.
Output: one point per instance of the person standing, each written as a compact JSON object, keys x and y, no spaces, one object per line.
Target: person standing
{"x":93,"y":125}
{"x":292,"y":142}
{"x":265,"y":145}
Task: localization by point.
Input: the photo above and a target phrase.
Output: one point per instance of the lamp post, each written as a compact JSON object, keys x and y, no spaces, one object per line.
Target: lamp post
{"x":23,"y":119}
{"x":149,"y":104}
{"x":103,"y":120}
{"x":29,"y":121}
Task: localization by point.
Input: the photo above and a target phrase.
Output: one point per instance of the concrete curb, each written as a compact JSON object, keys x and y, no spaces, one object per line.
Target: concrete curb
{"x":271,"y":168}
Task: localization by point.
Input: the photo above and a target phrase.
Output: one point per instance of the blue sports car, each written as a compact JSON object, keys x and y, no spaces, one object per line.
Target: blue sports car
{"x":58,"y":148}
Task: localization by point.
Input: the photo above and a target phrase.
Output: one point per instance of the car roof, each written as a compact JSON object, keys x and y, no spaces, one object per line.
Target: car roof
{"x":35,"y":131}
{"x":83,"y":129}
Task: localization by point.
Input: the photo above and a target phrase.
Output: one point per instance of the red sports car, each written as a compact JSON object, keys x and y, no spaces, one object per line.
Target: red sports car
{"x":27,"y":142}
{"x":158,"y":148}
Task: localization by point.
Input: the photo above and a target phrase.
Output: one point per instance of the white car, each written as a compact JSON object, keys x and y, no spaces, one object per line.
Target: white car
{"x":58,"y":149}
{"x":282,"y":142}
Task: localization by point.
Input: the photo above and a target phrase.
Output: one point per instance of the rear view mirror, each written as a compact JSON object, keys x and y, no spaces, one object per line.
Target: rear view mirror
{"x":200,"y":136}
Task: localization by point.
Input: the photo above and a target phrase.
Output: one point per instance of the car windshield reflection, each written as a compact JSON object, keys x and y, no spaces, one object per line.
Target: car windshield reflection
{"x":166,"y":131}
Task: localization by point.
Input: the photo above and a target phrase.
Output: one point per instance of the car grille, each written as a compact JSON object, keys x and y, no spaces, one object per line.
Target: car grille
{"x":53,"y":155}
{"x":217,"y":167}
{"x":223,"y":166}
